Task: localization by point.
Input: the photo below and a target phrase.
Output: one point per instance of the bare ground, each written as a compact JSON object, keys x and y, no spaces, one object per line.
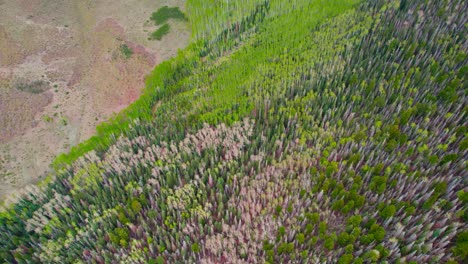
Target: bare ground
{"x":72,"y":49}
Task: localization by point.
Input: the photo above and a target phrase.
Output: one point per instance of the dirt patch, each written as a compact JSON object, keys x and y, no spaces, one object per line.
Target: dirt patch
{"x":19,"y":110}
{"x":73,"y":74}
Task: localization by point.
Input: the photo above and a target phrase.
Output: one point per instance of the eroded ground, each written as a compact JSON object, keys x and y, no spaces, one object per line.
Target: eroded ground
{"x":63,"y":71}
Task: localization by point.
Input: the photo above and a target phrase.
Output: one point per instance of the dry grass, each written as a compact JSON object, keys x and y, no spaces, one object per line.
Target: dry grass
{"x":79,"y":49}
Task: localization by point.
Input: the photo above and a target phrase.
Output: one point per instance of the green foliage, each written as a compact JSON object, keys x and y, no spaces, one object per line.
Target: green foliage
{"x":267,"y":245}
{"x":122,"y":217}
{"x":354,"y":220}
{"x":314,"y":218}
{"x":410,"y":210}
{"x":463,"y":145}
{"x":300,"y":238}
{"x":358,"y":260}
{"x":136,"y":206}
{"x":448,"y":94}
{"x":403,"y":5}
{"x":286,"y":248}
{"x":383,"y":251}
{"x":378,"y":184}
{"x":338,"y":205}
{"x":405,"y":116}
{"x":372,"y":255}
{"x":322,"y":228}
{"x":343,"y":239}
{"x":329,"y":243}
{"x":281,"y":231}
{"x":346,"y":259}
{"x":47,"y":118}
{"x":422,"y":109}
{"x":158,"y":260}
{"x":195,"y":248}
{"x":278,"y":209}
{"x":165,"y":13}
{"x":448,"y":158}
{"x":463,"y":196}
{"x":439,"y":189}
{"x":367,"y":239}
{"x":461,"y":247}
{"x":119,"y":236}
{"x":378,"y":232}
{"x":126,"y":51}
{"x":349,"y":249}
{"x":387,"y":211}
{"x":160,"y":32}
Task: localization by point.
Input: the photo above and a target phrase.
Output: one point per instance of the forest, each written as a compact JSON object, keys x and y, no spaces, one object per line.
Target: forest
{"x":288,"y":131}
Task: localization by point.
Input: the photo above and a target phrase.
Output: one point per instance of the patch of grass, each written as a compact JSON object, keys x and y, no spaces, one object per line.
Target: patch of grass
{"x":63,"y":121}
{"x":47,"y":118}
{"x":34,"y":87}
{"x":126,"y":51}
{"x":165,"y":13}
{"x":161,"y":32}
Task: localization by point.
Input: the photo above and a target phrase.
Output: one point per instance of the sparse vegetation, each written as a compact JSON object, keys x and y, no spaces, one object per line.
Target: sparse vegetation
{"x":47,"y":118}
{"x":126,"y":51}
{"x":63,"y":121}
{"x":35,"y":87}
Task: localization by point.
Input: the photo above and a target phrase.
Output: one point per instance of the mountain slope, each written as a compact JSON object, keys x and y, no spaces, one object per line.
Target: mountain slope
{"x":287,"y":132}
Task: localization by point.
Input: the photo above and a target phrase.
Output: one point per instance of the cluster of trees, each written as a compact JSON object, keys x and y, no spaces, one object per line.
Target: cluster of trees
{"x":337,"y":137}
{"x":161,"y":16}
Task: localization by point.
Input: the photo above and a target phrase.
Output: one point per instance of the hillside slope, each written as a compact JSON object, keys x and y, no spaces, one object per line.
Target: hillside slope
{"x":287,"y":132}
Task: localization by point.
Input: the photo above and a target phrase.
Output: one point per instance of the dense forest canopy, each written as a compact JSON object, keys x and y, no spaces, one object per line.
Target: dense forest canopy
{"x":324,"y":131}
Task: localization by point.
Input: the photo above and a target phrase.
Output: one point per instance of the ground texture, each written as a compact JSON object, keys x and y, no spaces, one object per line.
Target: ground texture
{"x":62,"y":71}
